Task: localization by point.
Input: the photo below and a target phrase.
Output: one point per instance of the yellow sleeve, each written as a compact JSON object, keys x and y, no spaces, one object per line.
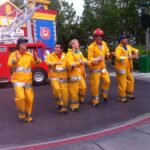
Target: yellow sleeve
{"x":134,"y":50}
{"x":90,"y":53}
{"x":12,"y":60}
{"x":49,"y":61}
{"x":107,"y":51}
{"x":118,"y":55}
{"x":83,"y":58}
{"x":70,"y":60}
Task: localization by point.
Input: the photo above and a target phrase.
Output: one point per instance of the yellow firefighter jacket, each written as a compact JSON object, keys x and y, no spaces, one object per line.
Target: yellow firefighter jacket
{"x":95,"y":51}
{"x":122,"y":62}
{"x":76,"y":57}
{"x":57,"y":71}
{"x":22,"y":68}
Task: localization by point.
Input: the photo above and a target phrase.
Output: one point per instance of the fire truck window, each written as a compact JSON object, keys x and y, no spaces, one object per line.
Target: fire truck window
{"x":12,"y":49}
{"x":2,"y":49}
{"x":31,"y":49}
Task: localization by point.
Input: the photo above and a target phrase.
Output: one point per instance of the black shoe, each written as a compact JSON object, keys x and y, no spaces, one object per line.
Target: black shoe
{"x":123,"y":100}
{"x":95,"y":105}
{"x":131,"y":97}
{"x":74,"y":109}
{"x":104,"y":101}
{"x":58,"y":107}
{"x":81,"y":102}
{"x":63,"y":112}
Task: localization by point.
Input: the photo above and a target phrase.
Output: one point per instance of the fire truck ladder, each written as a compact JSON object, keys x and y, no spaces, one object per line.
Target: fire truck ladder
{"x":23,"y":14}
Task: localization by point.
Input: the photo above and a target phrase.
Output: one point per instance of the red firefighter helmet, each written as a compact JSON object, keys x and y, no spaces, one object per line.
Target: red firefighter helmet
{"x":98,"y":31}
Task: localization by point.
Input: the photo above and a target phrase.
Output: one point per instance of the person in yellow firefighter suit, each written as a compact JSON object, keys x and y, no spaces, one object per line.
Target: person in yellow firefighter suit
{"x":21,"y":61}
{"x":124,"y":54}
{"x":58,"y":77}
{"x":76,"y":73}
{"x":97,"y":52}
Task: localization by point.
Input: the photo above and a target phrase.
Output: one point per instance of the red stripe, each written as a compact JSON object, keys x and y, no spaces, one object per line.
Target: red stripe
{"x":99,"y":134}
{"x":53,"y":12}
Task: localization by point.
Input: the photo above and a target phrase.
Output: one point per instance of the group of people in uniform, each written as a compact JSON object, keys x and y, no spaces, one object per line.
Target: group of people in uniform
{"x":67,"y":74}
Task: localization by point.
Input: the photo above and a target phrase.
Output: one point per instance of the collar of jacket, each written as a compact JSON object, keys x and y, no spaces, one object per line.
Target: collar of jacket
{"x":124,"y":47}
{"x":95,"y":44}
{"x":25,"y":53}
{"x":62,"y":55}
{"x":76,"y":51}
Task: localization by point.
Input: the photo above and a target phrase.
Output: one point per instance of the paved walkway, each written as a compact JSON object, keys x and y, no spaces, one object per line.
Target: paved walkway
{"x":137,"y":75}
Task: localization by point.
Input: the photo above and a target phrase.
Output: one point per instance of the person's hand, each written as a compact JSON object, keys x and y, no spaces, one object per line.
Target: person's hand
{"x":100,"y":58}
{"x":57,"y":63}
{"x":135,"y":56}
{"x":131,"y":56}
{"x":74,"y":65}
{"x":111,"y":54}
{"x":17,"y":55}
{"x":81,"y":62}
{"x":95,"y":61}
{"x":35,"y":55}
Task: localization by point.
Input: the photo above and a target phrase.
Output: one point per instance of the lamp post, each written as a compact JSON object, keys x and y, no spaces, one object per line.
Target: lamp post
{"x":144,"y":12}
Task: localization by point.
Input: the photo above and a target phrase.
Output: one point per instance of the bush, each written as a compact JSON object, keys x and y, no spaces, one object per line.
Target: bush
{"x":142,"y":50}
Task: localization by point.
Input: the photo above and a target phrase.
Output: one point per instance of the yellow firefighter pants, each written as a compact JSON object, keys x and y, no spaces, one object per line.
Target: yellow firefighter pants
{"x":24,"y":99}
{"x":77,"y":90}
{"x":125,"y":83}
{"x":95,"y":79}
{"x":60,"y":92}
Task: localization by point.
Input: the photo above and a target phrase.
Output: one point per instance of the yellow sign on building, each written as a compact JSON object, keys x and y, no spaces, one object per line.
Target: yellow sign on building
{"x":8,"y":9}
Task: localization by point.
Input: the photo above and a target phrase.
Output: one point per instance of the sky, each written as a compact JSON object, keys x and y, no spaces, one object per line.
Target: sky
{"x":78,"y":6}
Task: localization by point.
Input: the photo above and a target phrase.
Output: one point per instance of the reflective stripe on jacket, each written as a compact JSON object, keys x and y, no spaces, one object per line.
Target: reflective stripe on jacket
{"x":76,"y":58}
{"x":95,"y":51}
{"x":21,"y":68}
{"x":122,"y":62}
{"x":59,"y":71}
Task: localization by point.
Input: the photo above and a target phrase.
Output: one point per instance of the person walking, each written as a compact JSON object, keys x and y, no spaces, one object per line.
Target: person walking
{"x":58,"y":75}
{"x":21,"y":61}
{"x":98,"y":51}
{"x":124,"y":54}
{"x":76,"y":73}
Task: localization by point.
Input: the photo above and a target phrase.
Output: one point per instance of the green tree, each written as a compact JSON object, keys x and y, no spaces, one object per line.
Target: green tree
{"x":67,"y":23}
{"x":113,"y":16}
{"x":17,"y":2}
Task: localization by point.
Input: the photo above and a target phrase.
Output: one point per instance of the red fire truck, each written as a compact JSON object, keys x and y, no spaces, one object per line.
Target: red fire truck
{"x":40,"y":72}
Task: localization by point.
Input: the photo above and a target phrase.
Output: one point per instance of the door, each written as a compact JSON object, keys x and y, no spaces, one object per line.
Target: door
{"x":4,"y":69}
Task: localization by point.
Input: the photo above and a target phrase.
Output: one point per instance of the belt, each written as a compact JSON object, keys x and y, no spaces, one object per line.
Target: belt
{"x":52,"y":79}
{"x":62,"y":80}
{"x":22,"y":84}
{"x":120,"y":71}
{"x":98,"y":70}
{"x":22,"y":69}
{"x":75,"y":78}
{"x":60,"y":69}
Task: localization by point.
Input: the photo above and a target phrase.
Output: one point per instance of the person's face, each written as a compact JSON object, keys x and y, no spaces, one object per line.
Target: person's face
{"x":76,"y":45}
{"x":23,"y":47}
{"x":124,"y":41}
{"x":58,"y":49}
{"x":98,"y":39}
